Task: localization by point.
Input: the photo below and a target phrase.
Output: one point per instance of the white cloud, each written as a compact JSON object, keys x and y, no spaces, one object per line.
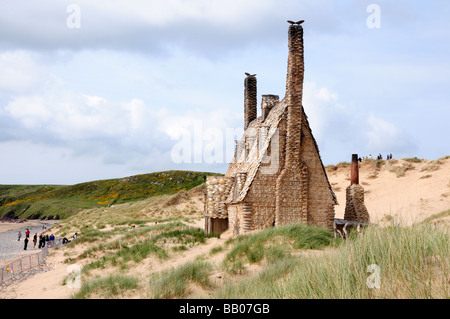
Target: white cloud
{"x":66,"y":114}
{"x":163,"y":12}
{"x":32,"y":112}
{"x":383,"y":136}
{"x":19,"y":72}
{"x":94,"y":101}
{"x":123,"y":24}
{"x":175,"y":125}
{"x":322,"y":108}
{"x":203,"y":136}
{"x":340,"y":129}
{"x":120,"y":132}
{"x":208,"y":28}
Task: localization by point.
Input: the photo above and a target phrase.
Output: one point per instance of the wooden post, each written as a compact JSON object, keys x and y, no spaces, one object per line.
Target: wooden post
{"x":355,"y":170}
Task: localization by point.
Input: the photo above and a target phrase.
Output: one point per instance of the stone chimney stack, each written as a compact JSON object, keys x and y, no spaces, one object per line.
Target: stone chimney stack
{"x":268,"y":101}
{"x":250,"y":100}
{"x":355,"y":209}
{"x":293,"y":172}
{"x":294,"y":94}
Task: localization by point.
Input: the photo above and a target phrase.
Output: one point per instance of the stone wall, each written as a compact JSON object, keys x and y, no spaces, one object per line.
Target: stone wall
{"x":235,"y":214}
{"x":217,"y":191}
{"x":262,"y":198}
{"x":320,"y":201}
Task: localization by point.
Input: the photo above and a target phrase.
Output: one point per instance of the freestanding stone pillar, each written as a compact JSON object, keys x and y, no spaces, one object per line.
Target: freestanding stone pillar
{"x":355,"y":210}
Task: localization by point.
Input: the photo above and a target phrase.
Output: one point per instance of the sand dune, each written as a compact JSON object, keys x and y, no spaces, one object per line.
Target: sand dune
{"x":421,"y":189}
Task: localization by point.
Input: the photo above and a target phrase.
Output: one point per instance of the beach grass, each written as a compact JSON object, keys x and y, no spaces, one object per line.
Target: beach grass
{"x":134,"y":246}
{"x":112,"y":286}
{"x":173,"y":283}
{"x":409,"y":262}
{"x":273,"y":243}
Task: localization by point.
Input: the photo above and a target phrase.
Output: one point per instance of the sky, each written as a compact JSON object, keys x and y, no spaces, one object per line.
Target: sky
{"x":103,"y":89}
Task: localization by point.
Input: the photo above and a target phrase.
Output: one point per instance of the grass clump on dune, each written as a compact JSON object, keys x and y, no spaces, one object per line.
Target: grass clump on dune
{"x":273,"y":243}
{"x":413,"y":262}
{"x":110,"y":287}
{"x":139,"y":244}
{"x":174,"y":283}
{"x":413,"y":160}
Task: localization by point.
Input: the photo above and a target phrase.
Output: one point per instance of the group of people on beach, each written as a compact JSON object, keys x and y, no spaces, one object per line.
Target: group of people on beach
{"x":379,"y":157}
{"x":42,"y":239}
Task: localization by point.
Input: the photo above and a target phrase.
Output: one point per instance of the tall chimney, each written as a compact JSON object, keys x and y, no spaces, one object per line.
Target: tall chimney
{"x":294,"y":93}
{"x":354,"y":179}
{"x":250,"y":100}
{"x":293,"y":172}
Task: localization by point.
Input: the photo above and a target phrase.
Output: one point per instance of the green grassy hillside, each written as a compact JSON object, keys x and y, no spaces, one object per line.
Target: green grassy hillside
{"x":56,"y":201}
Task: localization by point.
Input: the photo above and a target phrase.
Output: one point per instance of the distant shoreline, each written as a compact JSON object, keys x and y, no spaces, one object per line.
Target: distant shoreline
{"x":9,"y":225}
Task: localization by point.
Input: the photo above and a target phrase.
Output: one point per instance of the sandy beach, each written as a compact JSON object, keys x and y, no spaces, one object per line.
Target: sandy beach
{"x":10,"y":247}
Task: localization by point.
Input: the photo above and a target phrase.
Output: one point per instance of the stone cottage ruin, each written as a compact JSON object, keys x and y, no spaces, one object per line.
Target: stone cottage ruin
{"x":276,"y":176}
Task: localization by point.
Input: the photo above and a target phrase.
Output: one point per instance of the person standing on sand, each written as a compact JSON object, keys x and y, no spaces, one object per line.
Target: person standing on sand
{"x":43,"y":241}
{"x":25,"y":243}
{"x":27,"y":233}
{"x":35,"y":240}
{"x":19,"y":235}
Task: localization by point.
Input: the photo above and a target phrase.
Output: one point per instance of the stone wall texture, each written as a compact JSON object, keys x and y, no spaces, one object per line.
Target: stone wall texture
{"x":355,"y":209}
{"x":217,"y":191}
{"x":250,"y":100}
